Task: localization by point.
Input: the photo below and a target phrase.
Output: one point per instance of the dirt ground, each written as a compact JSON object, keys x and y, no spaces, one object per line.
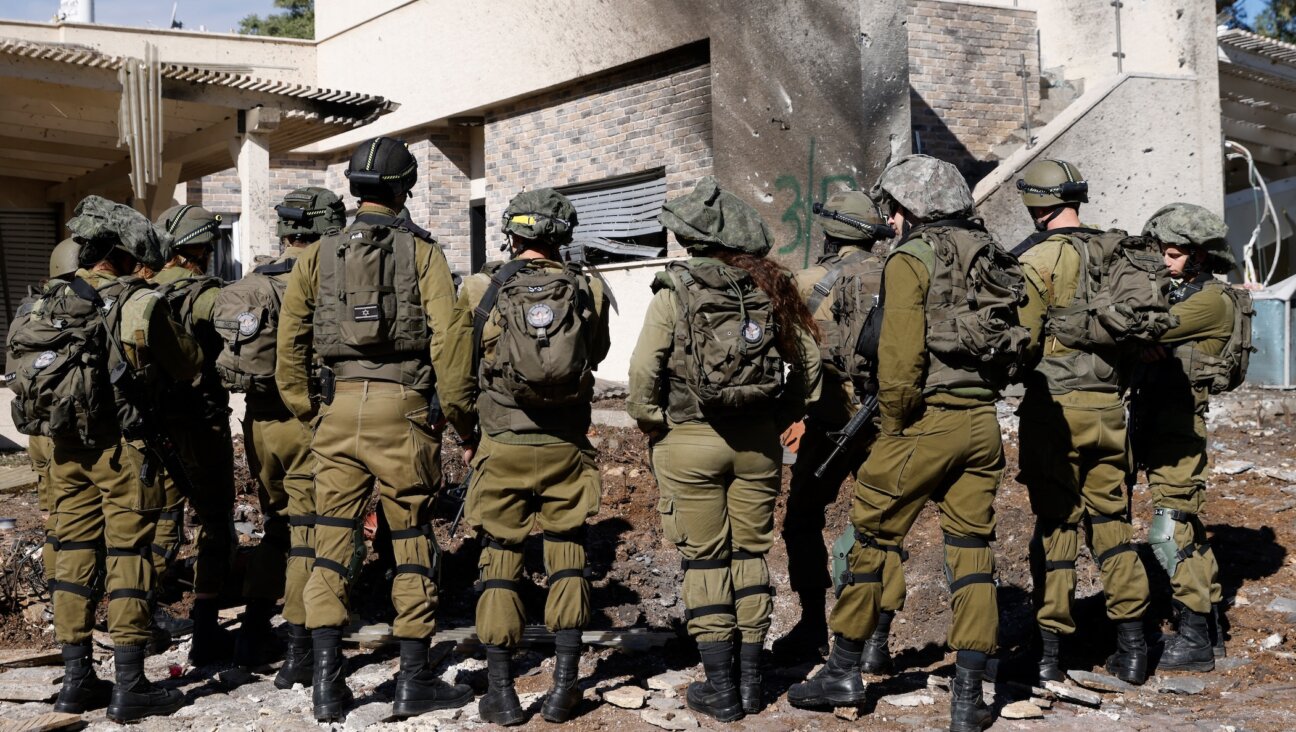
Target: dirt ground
{"x":636,"y":580}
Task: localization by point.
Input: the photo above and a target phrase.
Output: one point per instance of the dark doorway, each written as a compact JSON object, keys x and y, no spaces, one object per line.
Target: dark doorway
{"x":477,"y":236}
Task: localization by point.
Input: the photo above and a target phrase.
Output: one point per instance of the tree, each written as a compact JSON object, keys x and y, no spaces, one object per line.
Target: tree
{"x":1278,"y":20}
{"x":297,"y":21}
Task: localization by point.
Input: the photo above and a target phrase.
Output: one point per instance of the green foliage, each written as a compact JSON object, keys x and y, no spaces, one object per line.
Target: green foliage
{"x":1277,"y":20}
{"x":297,"y":21}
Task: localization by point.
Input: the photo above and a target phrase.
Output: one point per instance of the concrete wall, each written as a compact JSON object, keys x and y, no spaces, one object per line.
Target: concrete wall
{"x":632,"y":286}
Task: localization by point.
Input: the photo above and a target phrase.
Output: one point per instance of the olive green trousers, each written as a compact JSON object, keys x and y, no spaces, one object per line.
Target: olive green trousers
{"x":104,"y":518}
{"x":208,"y":451}
{"x":717,"y":486}
{"x":1074,"y":462}
{"x":40,"y":450}
{"x":953,"y":457}
{"x":515,"y":488}
{"x":375,"y":432}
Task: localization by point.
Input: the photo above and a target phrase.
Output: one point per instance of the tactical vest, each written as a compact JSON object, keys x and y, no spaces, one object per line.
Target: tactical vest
{"x":181,"y":297}
{"x":724,"y":361}
{"x":855,"y":282}
{"x":974,"y":338}
{"x":369,"y":308}
{"x":247,"y":317}
{"x":539,"y":375}
{"x":1226,"y":370}
{"x":62,"y":354}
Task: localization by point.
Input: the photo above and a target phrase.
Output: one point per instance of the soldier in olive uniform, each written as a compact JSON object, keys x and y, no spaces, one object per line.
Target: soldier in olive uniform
{"x":939,"y":441}
{"x":1073,"y":443}
{"x":705,"y":386}
{"x":839,"y":289}
{"x":276,"y":442}
{"x":100,"y":503}
{"x":199,"y":416}
{"x":534,"y":465}
{"x":377,"y":304}
{"x":1168,"y":415}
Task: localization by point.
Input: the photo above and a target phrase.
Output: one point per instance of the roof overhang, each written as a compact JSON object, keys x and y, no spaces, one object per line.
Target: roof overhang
{"x":1258,"y":95}
{"x":62,"y":114}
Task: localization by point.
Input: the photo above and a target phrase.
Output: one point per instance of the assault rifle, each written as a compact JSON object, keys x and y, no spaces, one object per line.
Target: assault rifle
{"x":457,"y":495}
{"x":846,"y":436}
{"x":876,"y":231}
{"x":145,"y":426}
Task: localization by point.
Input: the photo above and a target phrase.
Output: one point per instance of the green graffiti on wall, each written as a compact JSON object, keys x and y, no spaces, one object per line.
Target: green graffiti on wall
{"x":798,"y":216}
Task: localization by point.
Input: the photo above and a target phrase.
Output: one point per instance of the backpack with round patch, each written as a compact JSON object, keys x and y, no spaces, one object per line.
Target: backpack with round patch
{"x":247,"y":317}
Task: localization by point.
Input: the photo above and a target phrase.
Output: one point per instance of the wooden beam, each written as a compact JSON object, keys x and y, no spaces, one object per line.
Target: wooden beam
{"x":1259,"y":115}
{"x":161,"y":194}
{"x":32,"y":174}
{"x":58,"y":72}
{"x":71,"y":171}
{"x":62,"y":149}
{"x":50,"y":121}
{"x":57,"y":156}
{"x":1238,"y":86}
{"x":58,"y":92}
{"x":42,"y":134}
{"x":1259,"y":135}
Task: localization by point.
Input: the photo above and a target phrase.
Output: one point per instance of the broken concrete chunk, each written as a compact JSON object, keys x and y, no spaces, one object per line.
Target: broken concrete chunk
{"x":672,"y":720}
{"x":1100,"y":682}
{"x":1282,"y":605}
{"x":1181,"y":685}
{"x":912,"y":699}
{"x":1232,"y":467}
{"x":626,"y":697}
{"x":1073,"y":694}
{"x":1021,"y":710}
{"x":669,"y":680}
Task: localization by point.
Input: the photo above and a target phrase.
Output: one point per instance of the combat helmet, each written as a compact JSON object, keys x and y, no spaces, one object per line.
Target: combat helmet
{"x":543,"y":215}
{"x":707,"y":217}
{"x":844,"y":207}
{"x":382,"y":169}
{"x":99,"y":225}
{"x":1189,"y":225}
{"x":189,"y":226}
{"x":63,"y":260}
{"x":928,"y":188}
{"x":1046,"y":183}
{"x":310,"y":212}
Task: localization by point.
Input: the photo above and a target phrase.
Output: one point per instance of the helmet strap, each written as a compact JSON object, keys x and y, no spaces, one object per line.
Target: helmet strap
{"x":1043,"y":224}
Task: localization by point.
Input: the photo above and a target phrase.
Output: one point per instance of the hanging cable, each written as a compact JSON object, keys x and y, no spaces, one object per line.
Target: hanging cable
{"x":1263,"y":212}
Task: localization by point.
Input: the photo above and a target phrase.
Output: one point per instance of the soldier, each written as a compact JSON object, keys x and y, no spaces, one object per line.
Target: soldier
{"x":1172,"y":394}
{"x":199,"y":417}
{"x":1073,"y":443}
{"x":100,"y":347}
{"x":376,"y":303}
{"x":706,"y":387}
{"x":840,"y":290}
{"x":541,"y":328}
{"x":277,"y":444}
{"x":940,"y":435}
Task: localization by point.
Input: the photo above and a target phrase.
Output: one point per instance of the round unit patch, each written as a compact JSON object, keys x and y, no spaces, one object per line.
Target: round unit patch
{"x":248,"y":324}
{"x":539,"y":316}
{"x":752,"y":332}
{"x":44,"y":359}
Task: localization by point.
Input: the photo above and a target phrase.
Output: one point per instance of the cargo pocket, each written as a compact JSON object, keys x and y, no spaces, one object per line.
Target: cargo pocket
{"x":670,"y":520}
{"x":427,"y":449}
{"x":132,"y":493}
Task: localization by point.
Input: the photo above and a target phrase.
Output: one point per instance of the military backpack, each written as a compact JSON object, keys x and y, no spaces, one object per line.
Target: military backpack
{"x":544,"y":355}
{"x":247,"y":317}
{"x":855,"y":283}
{"x":1227,"y":371}
{"x":724,"y":360}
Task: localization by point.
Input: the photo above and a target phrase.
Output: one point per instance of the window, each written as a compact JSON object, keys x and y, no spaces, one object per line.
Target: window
{"x":617,"y":218}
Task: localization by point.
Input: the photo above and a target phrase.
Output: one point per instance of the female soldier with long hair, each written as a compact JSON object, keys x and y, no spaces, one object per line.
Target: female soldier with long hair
{"x":707,"y":385}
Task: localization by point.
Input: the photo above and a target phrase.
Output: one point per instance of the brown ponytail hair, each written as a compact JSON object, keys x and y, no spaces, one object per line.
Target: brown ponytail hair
{"x":790,"y":311}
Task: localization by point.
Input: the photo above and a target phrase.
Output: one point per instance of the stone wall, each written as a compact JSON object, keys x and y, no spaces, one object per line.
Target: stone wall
{"x":965,"y":94}
{"x":650,"y":115}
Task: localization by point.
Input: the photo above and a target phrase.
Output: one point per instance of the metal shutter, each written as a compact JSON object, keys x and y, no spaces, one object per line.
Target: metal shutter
{"x":27,"y":237}
{"x":612,"y":215}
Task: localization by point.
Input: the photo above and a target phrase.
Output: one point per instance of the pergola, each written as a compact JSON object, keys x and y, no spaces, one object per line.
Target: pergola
{"x":1258,"y":98}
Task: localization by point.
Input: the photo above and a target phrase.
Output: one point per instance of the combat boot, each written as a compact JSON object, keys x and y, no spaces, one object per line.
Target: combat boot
{"x":211,"y":642}
{"x":1050,"y":661}
{"x":418,"y":689}
{"x":134,"y":696}
{"x":749,"y":677}
{"x":808,"y":639}
{"x":500,"y":705}
{"x":1190,"y":648}
{"x":1218,"y":630}
{"x":82,"y":690}
{"x":968,"y":712}
{"x":717,"y":697}
{"x":838,"y":683}
{"x":877,"y":656}
{"x":565,"y":695}
{"x":299,"y":659}
{"x":256,"y":644}
{"x":1129,"y":662}
{"x":330,"y":696}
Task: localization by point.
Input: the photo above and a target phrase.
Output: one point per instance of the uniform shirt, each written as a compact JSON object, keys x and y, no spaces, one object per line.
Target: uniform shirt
{"x":470,"y":296}
{"x":271,"y":406}
{"x":203,"y":330}
{"x":652,"y":354}
{"x":449,"y":349}
{"x":836,"y":402}
{"x":1205,"y":325}
{"x":153,"y":338}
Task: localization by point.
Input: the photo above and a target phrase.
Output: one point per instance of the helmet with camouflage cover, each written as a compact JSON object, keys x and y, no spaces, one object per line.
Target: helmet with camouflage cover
{"x":1190,"y":225}
{"x":310,"y":212}
{"x":928,"y":188}
{"x":382,"y":169}
{"x":542,"y":215}
{"x":707,"y":216}
{"x":855,"y":204}
{"x":1046,"y":183}
{"x":189,"y":226}
{"x":63,"y":260}
{"x":99,"y":225}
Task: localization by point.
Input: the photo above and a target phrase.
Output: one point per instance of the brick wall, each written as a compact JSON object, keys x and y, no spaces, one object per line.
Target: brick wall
{"x":965,"y":94}
{"x":650,"y":115}
{"x":220,"y":192}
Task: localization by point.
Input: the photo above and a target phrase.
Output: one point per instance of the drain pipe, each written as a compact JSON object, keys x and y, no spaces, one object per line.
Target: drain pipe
{"x":1120,"y":52}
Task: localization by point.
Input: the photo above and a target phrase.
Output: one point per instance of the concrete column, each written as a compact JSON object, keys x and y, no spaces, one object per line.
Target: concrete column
{"x":256,"y":224}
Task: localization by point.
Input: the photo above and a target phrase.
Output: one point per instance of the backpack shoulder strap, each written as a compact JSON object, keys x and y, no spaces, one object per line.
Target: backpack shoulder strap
{"x":489,"y":298}
{"x":824,"y":287}
{"x":392,"y":222}
{"x":283,"y":266}
{"x":86,"y":291}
